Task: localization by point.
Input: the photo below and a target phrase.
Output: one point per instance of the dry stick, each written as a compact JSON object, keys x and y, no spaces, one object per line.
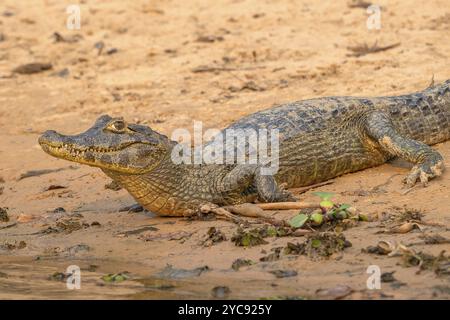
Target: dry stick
{"x":431,"y":82}
{"x":256,"y":211}
{"x":253,"y":211}
{"x":359,"y":4}
{"x":362,"y":50}
{"x":204,"y":68}
{"x":248,"y":210}
{"x":287,"y":205}
{"x":221,"y":212}
{"x":313,"y":186}
{"x":409,"y":190}
{"x":9,"y":226}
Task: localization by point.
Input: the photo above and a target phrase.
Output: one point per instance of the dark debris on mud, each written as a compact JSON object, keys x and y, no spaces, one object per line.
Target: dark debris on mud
{"x":169,"y":272}
{"x":238,"y":263}
{"x":273,"y":256}
{"x":113,"y":185}
{"x":213,"y":236}
{"x":13,"y":245}
{"x":66,"y":222}
{"x":440,"y":264}
{"x":4,"y":215}
{"x":255,"y":236}
{"x":319,"y":245}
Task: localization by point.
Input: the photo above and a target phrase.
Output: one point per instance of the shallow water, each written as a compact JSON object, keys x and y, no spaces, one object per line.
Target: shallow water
{"x":35,"y":280}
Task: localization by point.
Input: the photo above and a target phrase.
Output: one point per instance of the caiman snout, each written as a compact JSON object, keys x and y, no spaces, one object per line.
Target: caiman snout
{"x":50,"y":137}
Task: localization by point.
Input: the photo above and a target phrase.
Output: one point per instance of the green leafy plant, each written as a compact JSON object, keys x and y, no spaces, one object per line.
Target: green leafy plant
{"x":299,"y":220}
{"x":328,"y":211}
{"x":325,"y":197}
{"x":316,"y":218}
{"x":340,"y":212}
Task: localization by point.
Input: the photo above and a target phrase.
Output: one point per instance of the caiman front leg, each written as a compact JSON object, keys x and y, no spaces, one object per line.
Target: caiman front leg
{"x":428,"y":163}
{"x":242,"y":181}
{"x":243,"y":177}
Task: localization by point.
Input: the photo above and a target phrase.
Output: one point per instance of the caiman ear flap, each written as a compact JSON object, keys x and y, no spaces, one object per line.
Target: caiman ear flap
{"x":142,"y":129}
{"x":149,"y":132}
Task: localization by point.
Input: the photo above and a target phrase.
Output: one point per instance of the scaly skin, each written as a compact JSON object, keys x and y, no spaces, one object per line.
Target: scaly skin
{"x":319,"y":139}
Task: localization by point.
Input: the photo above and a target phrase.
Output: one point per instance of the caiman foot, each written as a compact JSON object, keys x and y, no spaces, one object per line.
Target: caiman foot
{"x":424,"y":172}
{"x":279,"y":194}
{"x":428,"y":163}
{"x":244,"y":176}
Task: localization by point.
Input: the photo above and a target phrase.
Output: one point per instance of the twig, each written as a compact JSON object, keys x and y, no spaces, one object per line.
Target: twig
{"x":359,"y":4}
{"x":8,"y":226}
{"x":431,"y":82}
{"x":35,"y":173}
{"x":201,"y":69}
{"x":221,"y":212}
{"x":245,"y":210}
{"x":254,"y":211}
{"x":313,"y":186}
{"x":137,"y":231}
{"x":82,"y":176}
{"x":362,"y":50}
{"x":409,"y":189}
{"x":287,"y":205}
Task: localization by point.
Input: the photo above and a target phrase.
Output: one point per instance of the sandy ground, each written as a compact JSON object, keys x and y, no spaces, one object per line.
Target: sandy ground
{"x":268,"y":54}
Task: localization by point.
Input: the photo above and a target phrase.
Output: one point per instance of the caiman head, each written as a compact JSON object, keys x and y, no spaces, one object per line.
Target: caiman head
{"x":112,"y":145}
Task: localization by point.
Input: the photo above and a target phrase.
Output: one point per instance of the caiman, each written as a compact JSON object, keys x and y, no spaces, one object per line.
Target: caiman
{"x":320,"y":139}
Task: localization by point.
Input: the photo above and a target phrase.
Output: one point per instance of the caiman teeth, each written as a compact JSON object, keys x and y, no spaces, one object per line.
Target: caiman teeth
{"x":78,"y":151}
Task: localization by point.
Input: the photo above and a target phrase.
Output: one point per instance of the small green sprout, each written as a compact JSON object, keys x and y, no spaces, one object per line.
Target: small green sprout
{"x":326,"y":199}
{"x":316,"y":243}
{"x":317,"y":218}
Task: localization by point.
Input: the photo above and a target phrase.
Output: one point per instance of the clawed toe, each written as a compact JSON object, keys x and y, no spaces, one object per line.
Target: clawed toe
{"x":286,"y":196}
{"x":423,"y":173}
{"x":281,"y":194}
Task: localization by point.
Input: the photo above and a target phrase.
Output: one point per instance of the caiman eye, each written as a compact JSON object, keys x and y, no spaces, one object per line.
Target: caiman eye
{"x":118,"y":126}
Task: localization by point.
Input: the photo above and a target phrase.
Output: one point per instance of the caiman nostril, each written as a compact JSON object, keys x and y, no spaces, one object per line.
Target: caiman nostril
{"x":49,"y":133}
{"x":44,"y":137}
{"x":49,"y":136}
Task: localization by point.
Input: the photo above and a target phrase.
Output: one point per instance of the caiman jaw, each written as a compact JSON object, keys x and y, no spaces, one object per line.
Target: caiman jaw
{"x":65,"y":150}
{"x":80,"y":154}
